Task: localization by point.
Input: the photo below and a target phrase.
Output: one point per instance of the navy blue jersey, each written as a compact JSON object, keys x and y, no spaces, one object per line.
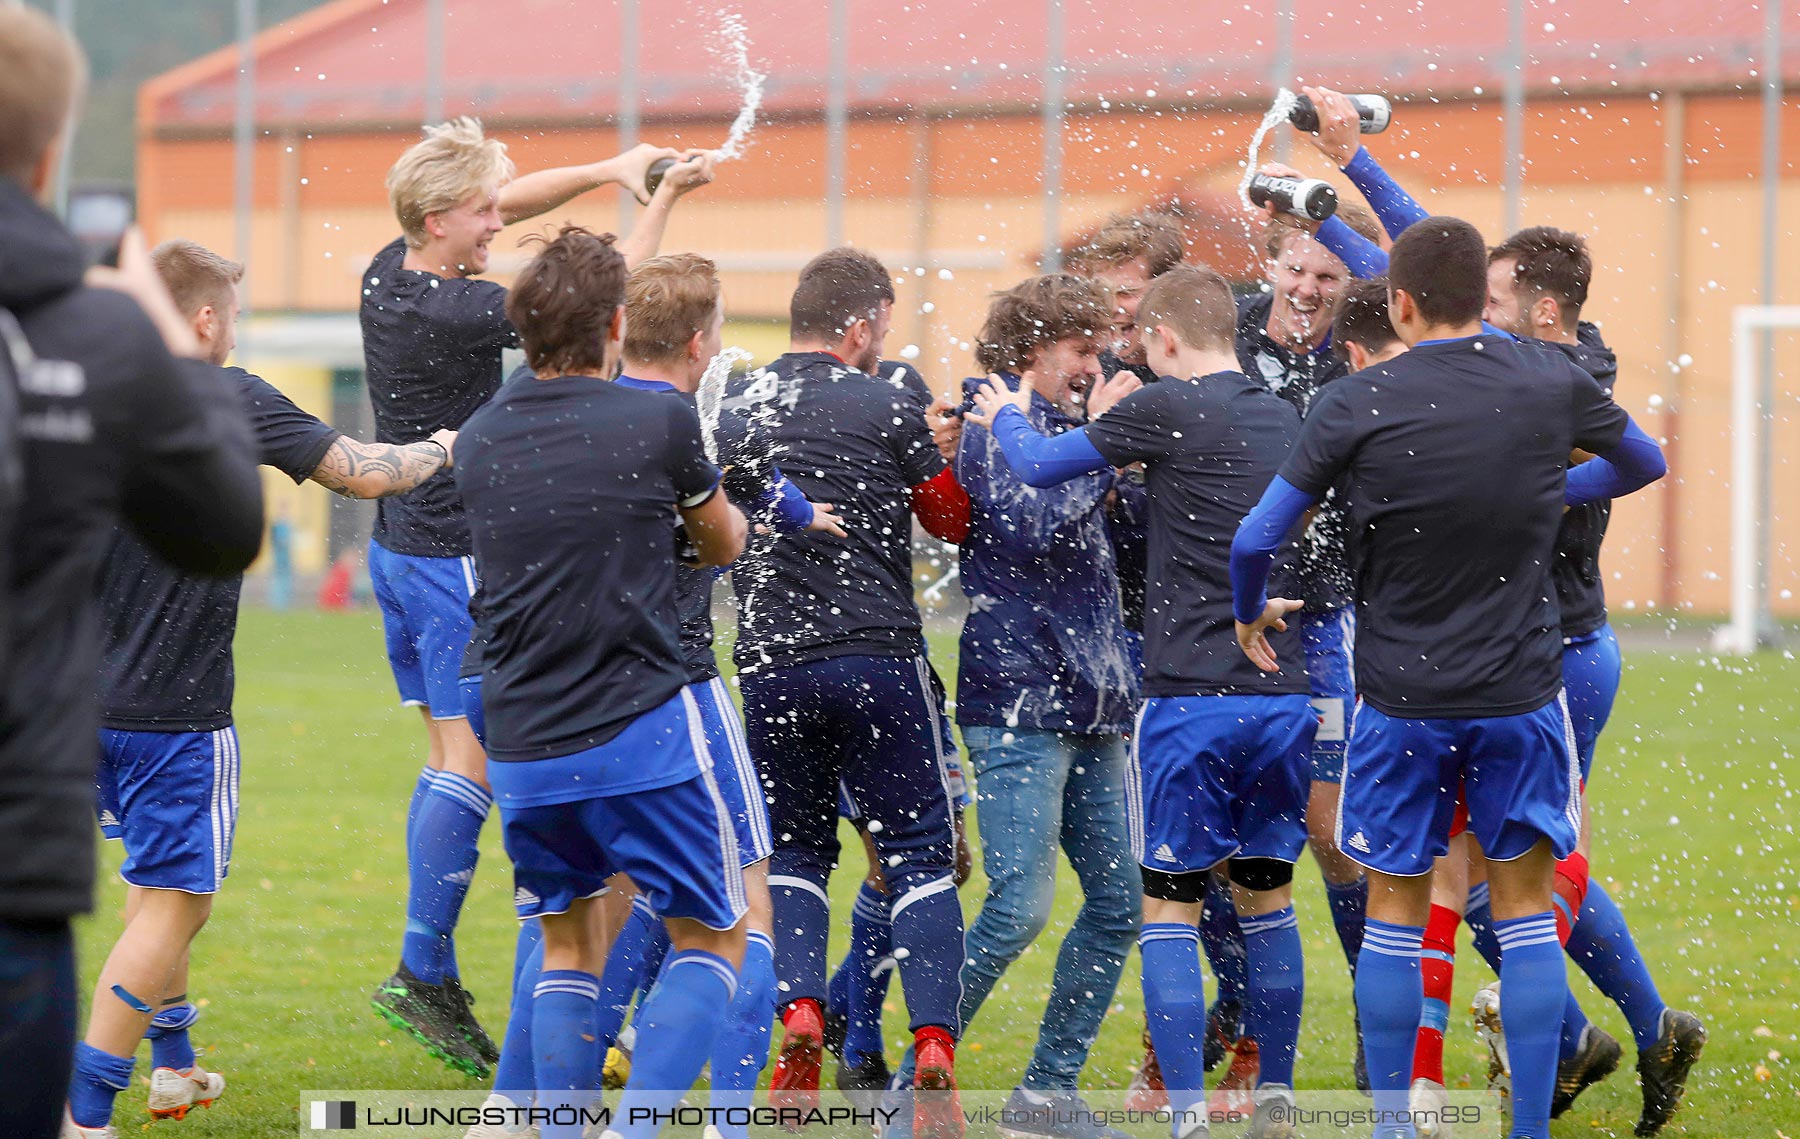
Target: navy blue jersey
{"x":1580,"y":591}
{"x":1210,"y":447}
{"x":1323,"y":570}
{"x":1044,"y":645}
{"x":1455,"y":453}
{"x":431,"y":356}
{"x":166,"y":662}
{"x":571,"y":486}
{"x":859,"y":442}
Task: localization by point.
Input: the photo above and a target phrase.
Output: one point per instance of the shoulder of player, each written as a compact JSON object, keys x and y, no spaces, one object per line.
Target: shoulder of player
{"x":63,"y":329}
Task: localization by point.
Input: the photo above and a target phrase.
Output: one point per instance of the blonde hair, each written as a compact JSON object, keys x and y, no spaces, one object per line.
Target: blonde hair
{"x":667,"y":300}
{"x":195,"y":275}
{"x":42,"y":74}
{"x":452,"y":163}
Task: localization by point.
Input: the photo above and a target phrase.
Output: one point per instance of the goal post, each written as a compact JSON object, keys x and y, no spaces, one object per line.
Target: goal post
{"x":1751,"y":619}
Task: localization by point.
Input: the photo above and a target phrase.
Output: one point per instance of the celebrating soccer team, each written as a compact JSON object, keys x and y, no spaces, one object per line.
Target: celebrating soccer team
{"x":1313,"y":568}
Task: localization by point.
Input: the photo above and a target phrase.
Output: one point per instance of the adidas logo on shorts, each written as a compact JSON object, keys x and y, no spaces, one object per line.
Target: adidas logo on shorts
{"x":1359,"y":842}
{"x":524,"y":897}
{"x":1164,"y":854}
{"x":108,"y":819}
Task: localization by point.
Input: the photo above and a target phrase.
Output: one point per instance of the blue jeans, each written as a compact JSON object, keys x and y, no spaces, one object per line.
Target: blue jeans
{"x":1037,"y":790}
{"x":37,"y":1025}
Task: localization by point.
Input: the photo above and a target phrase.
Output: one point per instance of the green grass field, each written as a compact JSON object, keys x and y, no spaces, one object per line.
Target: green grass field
{"x":1694,"y":834}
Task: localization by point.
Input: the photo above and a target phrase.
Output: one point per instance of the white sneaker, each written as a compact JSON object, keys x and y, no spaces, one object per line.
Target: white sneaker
{"x":73,"y":1130}
{"x":1427,"y":1103}
{"x":173,"y":1094}
{"x":1485,"y":1008}
{"x":500,"y":1130}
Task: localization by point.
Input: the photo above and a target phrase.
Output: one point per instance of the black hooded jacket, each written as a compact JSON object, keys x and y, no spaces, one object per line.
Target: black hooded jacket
{"x":111,"y":429}
{"x":1579,"y":589}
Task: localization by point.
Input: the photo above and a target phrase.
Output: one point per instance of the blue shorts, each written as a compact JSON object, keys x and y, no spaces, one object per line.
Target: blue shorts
{"x":734,"y":770}
{"x":1591,"y":673}
{"x":172,"y":798}
{"x":471,"y":706}
{"x":676,"y":841}
{"x":1216,"y":777}
{"x":1519,"y":775}
{"x":425,"y":611}
{"x":1330,"y":640}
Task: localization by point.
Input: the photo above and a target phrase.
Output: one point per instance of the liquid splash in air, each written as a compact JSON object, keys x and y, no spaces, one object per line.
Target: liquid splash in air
{"x":731,"y":44}
{"x":1278,"y":113}
{"x":710,"y":395}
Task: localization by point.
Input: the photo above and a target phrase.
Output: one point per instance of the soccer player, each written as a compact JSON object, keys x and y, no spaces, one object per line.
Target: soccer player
{"x":1125,"y":254}
{"x":1219,"y":761}
{"x":599,"y":756}
{"x":110,"y":428}
{"x":432,"y":337}
{"x":1459,"y":666}
{"x":836,"y":687}
{"x":168,"y":774}
{"x":1283,"y":339}
{"x":1047,"y":690}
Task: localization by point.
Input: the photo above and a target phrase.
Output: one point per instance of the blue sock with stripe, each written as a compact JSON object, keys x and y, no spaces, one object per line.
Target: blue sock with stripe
{"x":677,"y":1029}
{"x":1175,"y":1012}
{"x":440,"y":867}
{"x":1223,"y":940}
{"x":1348,"y":902}
{"x":743,"y":1045}
{"x":626,"y":970}
{"x":98,"y":1078}
{"x":1277,"y":977}
{"x":1533,"y":991}
{"x":803,"y":916}
{"x":928,"y":943}
{"x":1604,"y":948}
{"x":1574,"y":1026}
{"x":427,"y":776}
{"x":168,"y":1036}
{"x":866,"y":972}
{"x":1478,"y":915}
{"x":515,"y":1074}
{"x":563,"y":1045}
{"x":1390,"y":997}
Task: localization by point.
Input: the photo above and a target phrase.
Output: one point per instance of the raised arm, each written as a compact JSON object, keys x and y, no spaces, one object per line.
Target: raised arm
{"x":1339,"y":138}
{"x":529,"y":195}
{"x":1039,"y":460}
{"x":1636,"y":462}
{"x":694,"y":171}
{"x":377,"y":470}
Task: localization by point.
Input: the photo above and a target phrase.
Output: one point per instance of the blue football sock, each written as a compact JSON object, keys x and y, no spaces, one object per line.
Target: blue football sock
{"x":743,"y":1045}
{"x":1175,"y":1011}
{"x":1348,"y":902}
{"x":625,"y":972}
{"x":427,"y":776}
{"x":168,"y":1034}
{"x":928,"y":942}
{"x":99,"y":1076}
{"x":1479,"y":917}
{"x":515,"y":1075}
{"x":563,"y":1045}
{"x":1574,"y":1023}
{"x":803,"y":916}
{"x":1390,"y":997}
{"x":677,"y":1028}
{"x":440,"y":867}
{"x":1277,"y":983}
{"x":868,"y":969}
{"x":1604,"y":948}
{"x":1223,"y":940}
{"x":531,"y":935}
{"x":1533,"y":991}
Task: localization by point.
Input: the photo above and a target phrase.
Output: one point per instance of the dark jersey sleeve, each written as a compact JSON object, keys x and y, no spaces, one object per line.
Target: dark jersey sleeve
{"x":1327,"y":440}
{"x":918,"y":455}
{"x":287,"y":438}
{"x":193,"y":492}
{"x":692,"y":474}
{"x":1136,"y":428}
{"x":1599,"y":423}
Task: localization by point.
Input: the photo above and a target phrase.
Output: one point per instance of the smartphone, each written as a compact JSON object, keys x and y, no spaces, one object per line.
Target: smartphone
{"x":99,"y":217}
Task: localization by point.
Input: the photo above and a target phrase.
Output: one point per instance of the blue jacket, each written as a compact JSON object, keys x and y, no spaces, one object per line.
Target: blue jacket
{"x":1044,"y":645}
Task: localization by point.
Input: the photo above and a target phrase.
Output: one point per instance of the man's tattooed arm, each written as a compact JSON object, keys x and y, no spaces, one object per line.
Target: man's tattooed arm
{"x":376,"y":470}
